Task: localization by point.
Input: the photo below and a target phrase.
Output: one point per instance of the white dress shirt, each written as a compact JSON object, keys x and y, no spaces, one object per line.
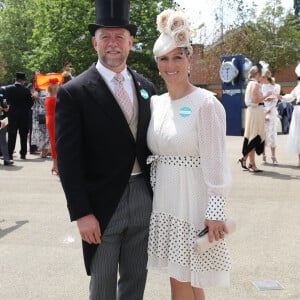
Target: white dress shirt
{"x":108,"y":77}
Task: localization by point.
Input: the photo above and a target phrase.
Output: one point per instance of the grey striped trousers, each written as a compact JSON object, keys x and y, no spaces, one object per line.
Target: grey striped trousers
{"x":124,"y":247}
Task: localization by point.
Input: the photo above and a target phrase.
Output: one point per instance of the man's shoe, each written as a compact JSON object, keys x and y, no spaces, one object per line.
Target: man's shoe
{"x":23,"y":157}
{"x":8,"y":162}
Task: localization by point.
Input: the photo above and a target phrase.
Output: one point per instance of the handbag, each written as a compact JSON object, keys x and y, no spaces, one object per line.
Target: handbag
{"x":41,"y":119}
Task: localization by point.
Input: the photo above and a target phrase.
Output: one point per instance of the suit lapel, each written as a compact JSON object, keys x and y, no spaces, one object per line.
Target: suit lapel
{"x":99,"y":92}
{"x":143,"y":98}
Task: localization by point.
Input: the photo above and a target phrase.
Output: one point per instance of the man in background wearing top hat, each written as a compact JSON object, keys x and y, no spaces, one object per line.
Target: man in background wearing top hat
{"x":20,"y":102}
{"x":101,"y":124}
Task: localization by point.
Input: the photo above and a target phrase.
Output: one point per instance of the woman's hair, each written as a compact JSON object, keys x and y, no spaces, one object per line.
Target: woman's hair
{"x":52,"y":87}
{"x":188,"y":50}
{"x":67,"y":76}
{"x":254,"y":71}
{"x":268,"y":76}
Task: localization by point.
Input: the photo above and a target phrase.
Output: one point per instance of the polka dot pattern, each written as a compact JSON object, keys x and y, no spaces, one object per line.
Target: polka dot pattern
{"x":172,"y":240}
{"x":215,"y":209}
{"x":180,"y":161}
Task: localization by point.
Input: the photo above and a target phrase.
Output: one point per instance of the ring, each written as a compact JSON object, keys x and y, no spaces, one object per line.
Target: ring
{"x":221,"y":232}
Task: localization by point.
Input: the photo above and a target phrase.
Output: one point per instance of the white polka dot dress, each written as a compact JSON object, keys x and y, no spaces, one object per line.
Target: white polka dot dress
{"x":191,"y":179}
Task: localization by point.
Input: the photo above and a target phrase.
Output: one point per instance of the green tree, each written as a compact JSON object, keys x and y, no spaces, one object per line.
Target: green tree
{"x":38,"y":35}
{"x":60,"y":35}
{"x":15,"y":28}
{"x":273,"y":37}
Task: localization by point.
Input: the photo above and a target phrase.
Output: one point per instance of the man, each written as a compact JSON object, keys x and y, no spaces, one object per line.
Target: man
{"x":285,"y":112}
{"x":20,"y":103}
{"x":101,"y":126}
{"x":4,"y":107}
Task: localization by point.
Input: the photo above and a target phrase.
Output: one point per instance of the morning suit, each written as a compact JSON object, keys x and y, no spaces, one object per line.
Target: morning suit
{"x":20,"y":102}
{"x":96,"y":149}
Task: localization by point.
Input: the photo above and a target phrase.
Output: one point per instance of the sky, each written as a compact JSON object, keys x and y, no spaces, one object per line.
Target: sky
{"x":202,"y":11}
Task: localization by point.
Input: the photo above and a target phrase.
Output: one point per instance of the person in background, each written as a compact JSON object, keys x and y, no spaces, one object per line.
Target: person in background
{"x":20,"y":102}
{"x":190,"y":172}
{"x":39,"y":131}
{"x":271,"y":119}
{"x":293,"y":140}
{"x":285,"y":111}
{"x":4,"y":107}
{"x":50,"y":102}
{"x":254,"y":135}
{"x":33,"y":148}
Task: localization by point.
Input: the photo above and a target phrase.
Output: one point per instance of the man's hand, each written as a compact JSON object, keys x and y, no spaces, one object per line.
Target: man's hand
{"x":216,"y":230}
{"x":89,"y":229}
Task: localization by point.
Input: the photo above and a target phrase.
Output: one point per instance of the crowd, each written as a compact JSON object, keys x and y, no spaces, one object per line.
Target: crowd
{"x":110,"y":126}
{"x":263,"y":112}
{"x":29,"y":111}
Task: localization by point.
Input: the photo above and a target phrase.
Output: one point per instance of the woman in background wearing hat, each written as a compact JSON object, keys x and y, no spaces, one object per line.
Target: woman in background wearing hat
{"x":190,"y":174}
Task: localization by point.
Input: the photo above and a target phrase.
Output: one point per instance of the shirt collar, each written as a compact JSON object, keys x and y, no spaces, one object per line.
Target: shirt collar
{"x":108,"y":74}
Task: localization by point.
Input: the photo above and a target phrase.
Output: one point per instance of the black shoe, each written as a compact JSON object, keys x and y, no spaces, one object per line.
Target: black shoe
{"x":8,"y":162}
{"x":23,"y":157}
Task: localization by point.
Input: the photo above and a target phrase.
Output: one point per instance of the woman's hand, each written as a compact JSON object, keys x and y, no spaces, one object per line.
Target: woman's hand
{"x":216,"y":230}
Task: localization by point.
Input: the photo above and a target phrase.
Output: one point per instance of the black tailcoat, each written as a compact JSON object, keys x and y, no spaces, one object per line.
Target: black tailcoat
{"x":95,"y":147}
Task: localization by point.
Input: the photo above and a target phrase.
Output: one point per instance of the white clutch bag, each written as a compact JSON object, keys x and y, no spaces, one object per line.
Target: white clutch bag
{"x":202,"y":243}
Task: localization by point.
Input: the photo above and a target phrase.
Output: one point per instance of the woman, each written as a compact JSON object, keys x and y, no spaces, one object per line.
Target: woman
{"x":293,"y":140}
{"x":271,"y":119}
{"x":254,"y":136}
{"x":39,"y":135}
{"x":189,"y":171}
{"x":50,"y":102}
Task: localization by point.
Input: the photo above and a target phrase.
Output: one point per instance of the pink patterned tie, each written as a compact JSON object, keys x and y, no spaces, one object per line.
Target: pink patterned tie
{"x":123,"y":97}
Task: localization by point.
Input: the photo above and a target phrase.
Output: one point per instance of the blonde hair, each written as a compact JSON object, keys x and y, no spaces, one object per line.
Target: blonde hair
{"x":268,"y":76}
{"x":253,"y":72}
{"x":52,"y":87}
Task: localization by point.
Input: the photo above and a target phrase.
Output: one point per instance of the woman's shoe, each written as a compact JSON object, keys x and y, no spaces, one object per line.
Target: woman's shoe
{"x":54,"y":171}
{"x":242,"y":161}
{"x":253,"y":168}
{"x":264,"y":160}
{"x":274,"y":160}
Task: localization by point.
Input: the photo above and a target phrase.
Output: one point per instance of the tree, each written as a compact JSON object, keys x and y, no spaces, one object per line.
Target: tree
{"x":56,"y":33}
{"x":272,"y":37}
{"x":15,"y":27}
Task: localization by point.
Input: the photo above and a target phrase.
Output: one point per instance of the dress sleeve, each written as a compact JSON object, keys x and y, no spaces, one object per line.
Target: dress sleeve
{"x":212,"y":145}
{"x":293,"y":95}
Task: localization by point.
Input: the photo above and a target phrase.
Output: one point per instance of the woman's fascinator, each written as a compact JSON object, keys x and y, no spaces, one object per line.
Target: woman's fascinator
{"x":174,"y":32}
{"x":263,"y":67}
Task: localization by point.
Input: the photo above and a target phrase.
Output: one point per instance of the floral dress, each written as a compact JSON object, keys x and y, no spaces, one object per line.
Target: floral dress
{"x":191,"y":179}
{"x":39,"y":135}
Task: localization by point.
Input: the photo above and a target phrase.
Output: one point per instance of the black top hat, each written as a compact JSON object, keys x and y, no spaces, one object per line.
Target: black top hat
{"x":20,"y":76}
{"x":112,"y":14}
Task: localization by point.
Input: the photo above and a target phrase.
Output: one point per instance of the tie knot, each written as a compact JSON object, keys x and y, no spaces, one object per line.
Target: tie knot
{"x":119,"y":77}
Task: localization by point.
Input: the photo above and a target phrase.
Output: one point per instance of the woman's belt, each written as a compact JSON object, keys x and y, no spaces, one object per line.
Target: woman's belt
{"x":176,"y":160}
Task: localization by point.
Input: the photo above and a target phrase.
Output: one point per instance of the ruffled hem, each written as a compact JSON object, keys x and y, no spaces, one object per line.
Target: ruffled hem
{"x":204,"y":279}
{"x":171,"y":246}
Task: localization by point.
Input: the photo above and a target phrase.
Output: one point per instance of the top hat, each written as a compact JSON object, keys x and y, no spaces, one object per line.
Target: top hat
{"x":112,"y":14}
{"x":20,"y":76}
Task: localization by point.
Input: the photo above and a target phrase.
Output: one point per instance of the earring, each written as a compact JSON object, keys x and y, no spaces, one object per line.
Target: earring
{"x":159,"y":73}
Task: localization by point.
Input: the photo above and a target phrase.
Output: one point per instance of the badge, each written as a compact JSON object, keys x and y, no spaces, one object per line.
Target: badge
{"x":185,"y":111}
{"x":144,"y":94}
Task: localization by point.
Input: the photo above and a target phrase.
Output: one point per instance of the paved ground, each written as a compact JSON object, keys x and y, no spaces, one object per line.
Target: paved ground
{"x":40,"y":252}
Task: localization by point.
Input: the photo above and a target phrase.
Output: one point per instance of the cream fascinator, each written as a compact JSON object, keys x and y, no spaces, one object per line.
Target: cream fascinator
{"x":264,"y":67}
{"x":174,"y":32}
